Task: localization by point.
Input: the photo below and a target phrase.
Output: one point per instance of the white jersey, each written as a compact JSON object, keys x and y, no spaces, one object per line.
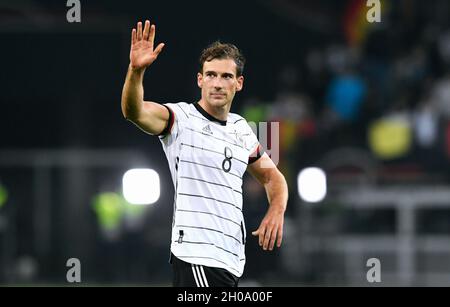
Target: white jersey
{"x":207,"y":160}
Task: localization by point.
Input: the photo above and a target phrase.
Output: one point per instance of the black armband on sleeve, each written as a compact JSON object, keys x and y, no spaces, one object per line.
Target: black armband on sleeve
{"x":259,"y":151}
{"x":169,"y":125}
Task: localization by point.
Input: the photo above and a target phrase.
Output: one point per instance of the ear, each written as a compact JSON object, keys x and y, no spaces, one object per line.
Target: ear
{"x":199,"y":80}
{"x":240,"y":83}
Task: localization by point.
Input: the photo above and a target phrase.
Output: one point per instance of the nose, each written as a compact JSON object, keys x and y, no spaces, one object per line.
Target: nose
{"x":217,"y":83}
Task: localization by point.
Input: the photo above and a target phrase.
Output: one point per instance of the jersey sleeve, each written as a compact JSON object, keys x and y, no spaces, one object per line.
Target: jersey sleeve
{"x":178,"y":114}
{"x":251,"y":143}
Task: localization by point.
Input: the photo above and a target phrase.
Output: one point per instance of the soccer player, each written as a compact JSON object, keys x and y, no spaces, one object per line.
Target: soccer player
{"x":208,"y":150}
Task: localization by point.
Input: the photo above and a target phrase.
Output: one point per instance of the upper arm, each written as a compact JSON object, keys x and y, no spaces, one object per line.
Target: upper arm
{"x":262,"y":169}
{"x":153,"y":118}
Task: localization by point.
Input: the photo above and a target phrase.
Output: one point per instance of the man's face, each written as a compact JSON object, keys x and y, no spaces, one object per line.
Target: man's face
{"x":218,"y":82}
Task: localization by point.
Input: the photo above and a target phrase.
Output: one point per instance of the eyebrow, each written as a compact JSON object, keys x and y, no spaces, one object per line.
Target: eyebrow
{"x":225,"y":74}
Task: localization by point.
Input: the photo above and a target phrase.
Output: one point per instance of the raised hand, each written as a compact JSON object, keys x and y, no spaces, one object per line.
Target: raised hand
{"x":142,"y":53}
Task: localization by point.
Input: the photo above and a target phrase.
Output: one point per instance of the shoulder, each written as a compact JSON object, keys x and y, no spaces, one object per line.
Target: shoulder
{"x":240,"y":123}
{"x":181,"y":109}
{"x":235,"y":118}
{"x":183,"y":105}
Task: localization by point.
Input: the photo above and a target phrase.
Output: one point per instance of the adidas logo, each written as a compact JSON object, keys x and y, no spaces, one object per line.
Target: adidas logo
{"x":207,"y":129}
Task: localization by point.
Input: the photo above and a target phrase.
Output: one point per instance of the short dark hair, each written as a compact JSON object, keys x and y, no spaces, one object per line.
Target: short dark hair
{"x":218,"y":50}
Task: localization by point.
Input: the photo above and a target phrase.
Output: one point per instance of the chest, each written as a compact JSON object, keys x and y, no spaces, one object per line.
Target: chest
{"x":215,"y":145}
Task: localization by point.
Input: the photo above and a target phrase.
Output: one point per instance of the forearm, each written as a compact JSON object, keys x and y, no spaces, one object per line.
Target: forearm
{"x":133,"y":94}
{"x":277,"y":191}
{"x":271,"y":227}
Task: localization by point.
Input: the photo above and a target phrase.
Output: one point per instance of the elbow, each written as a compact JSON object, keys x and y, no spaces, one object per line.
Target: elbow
{"x":283,"y":181}
{"x":123,"y":107}
{"x":127,"y":113}
{"x":124,"y":114}
{"x":273,"y":175}
{"x":126,"y":107}
{"x":277,"y":178}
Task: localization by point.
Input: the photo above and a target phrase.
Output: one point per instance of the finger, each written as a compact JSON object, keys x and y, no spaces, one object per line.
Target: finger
{"x":260,"y":234}
{"x":146,"y":30}
{"x":256,"y":232}
{"x":159,"y":48}
{"x":273,"y":237}
{"x":280,"y":236}
{"x":139,"y":31}
{"x":267,"y":239}
{"x":133,"y":36}
{"x":151,"y":37}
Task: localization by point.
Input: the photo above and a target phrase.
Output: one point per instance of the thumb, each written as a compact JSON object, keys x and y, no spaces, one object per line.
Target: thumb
{"x":256,"y":232}
{"x":159,"y":48}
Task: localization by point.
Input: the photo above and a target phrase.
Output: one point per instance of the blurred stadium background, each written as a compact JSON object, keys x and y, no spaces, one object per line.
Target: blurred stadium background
{"x":368,"y":104}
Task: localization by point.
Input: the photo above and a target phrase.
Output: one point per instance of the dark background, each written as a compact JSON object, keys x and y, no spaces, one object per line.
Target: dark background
{"x":61,"y":85}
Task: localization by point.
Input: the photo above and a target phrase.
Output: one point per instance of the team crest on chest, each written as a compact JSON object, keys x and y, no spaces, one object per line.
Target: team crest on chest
{"x":238,"y":137}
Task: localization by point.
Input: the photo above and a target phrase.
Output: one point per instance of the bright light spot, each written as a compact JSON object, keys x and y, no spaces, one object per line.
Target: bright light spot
{"x":312,"y":184}
{"x":141,"y":186}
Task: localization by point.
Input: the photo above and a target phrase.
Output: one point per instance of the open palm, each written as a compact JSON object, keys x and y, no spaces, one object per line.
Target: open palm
{"x":142,"y":53}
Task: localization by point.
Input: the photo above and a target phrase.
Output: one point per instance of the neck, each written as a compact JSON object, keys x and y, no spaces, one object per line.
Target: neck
{"x":218,"y":112}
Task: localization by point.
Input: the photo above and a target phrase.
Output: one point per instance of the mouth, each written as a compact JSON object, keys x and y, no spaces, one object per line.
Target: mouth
{"x":217,"y":95}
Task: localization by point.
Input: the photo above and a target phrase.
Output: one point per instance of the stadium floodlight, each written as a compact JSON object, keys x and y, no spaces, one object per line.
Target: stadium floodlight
{"x":312,"y":184}
{"x":141,"y":186}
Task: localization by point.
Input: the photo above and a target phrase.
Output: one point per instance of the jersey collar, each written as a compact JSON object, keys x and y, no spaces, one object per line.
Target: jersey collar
{"x":209,"y":116}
